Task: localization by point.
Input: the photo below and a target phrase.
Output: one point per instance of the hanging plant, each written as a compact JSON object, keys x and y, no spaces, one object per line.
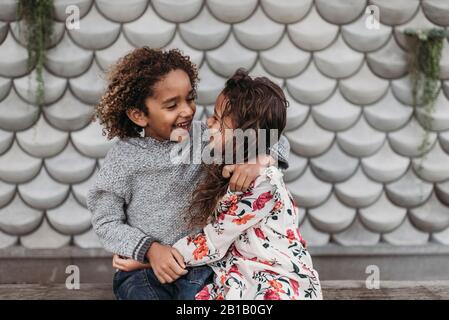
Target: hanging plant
{"x":424,"y":69}
{"x":37,"y":18}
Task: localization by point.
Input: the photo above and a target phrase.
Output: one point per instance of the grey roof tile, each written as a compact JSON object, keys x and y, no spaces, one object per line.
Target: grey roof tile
{"x":121,"y":11}
{"x":232,"y":11}
{"x":340,"y":11}
{"x":436,"y":11}
{"x":446,"y":87}
{"x":439,"y":115}
{"x":91,"y":142}
{"x":259,"y":71}
{"x":8,"y":9}
{"x":311,"y":86}
{"x":69,"y":166}
{"x":402,"y":90}
{"x":360,"y":38}
{"x":363,"y":87}
{"x":312,"y":33}
{"x":309,"y":191}
{"x":13,"y":58}
{"x":433,"y":216}
{"x":419,"y":21}
{"x":67,"y":59}
{"x":229,"y":57}
{"x":313,"y":236}
{"x":385,"y":165}
{"x":16,"y":166}
{"x":70,"y":218}
{"x":408,"y":139}
{"x":338,"y":60}
{"x":442,"y":191}
{"x":17,"y":218}
{"x":409,"y":191}
{"x":388,"y":62}
{"x":361,"y":140}
{"x":309,"y":139}
{"x":336,"y":113}
{"x":149,"y":30}
{"x":296,"y":112}
{"x":7,"y":240}
{"x":43,"y":192}
{"x":81,"y":190}
{"x":195,"y":56}
{"x":68,"y":113}
{"x":45,"y":237}
{"x":60,"y":6}
{"x":334,"y":165}
{"x":358,"y":191}
{"x":396,"y":12}
{"x":332,"y":216}
{"x":210,"y":85}
{"x":441,"y":237}
{"x":286,"y":11}
{"x":87,"y":240}
{"x":433,"y":166}
{"x":5,"y":86}
{"x":382,"y":216}
{"x":406,"y":235}
{"x":3,"y":31}
{"x":97,"y":31}
{"x":21,"y":37}
{"x":285,"y":59}
{"x":356,"y":235}
{"x":6,"y":138}
{"x":444,"y":61}
{"x":42,"y":140}
{"x":89,"y":86}
{"x":7,"y":192}
{"x":54,"y":87}
{"x":297,"y":165}
{"x":388,"y":114}
{"x":108,"y":56}
{"x":200,"y":37}
{"x":258,"y":32}
{"x":177,"y":11}
{"x":15,"y":114}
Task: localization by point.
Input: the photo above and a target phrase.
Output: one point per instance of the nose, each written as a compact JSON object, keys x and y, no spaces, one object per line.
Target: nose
{"x":187,"y":111}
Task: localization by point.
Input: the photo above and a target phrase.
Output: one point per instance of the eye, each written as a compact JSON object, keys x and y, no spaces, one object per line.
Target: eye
{"x":171,"y":106}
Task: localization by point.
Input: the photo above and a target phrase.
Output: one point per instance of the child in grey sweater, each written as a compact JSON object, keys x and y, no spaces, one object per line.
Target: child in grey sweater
{"x":140,"y":194}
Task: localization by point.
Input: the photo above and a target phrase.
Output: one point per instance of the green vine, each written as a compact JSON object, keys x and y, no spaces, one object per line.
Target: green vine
{"x":37,"y":17}
{"x":424,"y":68}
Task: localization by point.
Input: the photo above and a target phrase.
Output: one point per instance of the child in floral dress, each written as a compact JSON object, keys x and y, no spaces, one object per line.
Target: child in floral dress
{"x":251,"y":241}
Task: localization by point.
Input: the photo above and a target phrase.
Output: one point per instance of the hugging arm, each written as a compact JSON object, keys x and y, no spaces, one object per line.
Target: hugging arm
{"x":212,"y":243}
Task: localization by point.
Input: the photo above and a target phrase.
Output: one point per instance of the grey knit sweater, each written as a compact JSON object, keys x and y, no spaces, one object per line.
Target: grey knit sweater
{"x":140,"y":196}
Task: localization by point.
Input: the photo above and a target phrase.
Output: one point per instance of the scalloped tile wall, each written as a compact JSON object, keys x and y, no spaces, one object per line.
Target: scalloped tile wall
{"x":354,"y":136}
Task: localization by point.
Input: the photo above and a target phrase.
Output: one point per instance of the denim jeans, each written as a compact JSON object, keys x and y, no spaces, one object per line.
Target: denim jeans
{"x":144,"y":285}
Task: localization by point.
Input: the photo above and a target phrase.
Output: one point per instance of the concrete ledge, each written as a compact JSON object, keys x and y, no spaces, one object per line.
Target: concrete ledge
{"x":333,"y":262}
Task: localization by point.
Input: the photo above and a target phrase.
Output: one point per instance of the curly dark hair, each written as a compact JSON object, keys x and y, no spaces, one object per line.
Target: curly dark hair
{"x":251,"y":103}
{"x":131,"y":80}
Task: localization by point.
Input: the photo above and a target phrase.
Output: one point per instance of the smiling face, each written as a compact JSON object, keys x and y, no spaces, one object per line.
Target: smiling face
{"x":172,"y":106}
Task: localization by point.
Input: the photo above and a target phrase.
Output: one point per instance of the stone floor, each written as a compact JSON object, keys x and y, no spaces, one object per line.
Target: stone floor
{"x":332,"y":290}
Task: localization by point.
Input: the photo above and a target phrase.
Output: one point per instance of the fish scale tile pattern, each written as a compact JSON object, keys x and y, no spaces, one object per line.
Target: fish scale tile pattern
{"x":355,"y":169}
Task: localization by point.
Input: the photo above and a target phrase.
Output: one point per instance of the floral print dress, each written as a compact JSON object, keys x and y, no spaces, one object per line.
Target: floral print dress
{"x":254,"y":246}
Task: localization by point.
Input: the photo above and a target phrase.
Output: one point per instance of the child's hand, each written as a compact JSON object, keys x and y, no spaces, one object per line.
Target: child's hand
{"x":167,"y":263}
{"x":245,"y":173}
{"x":128,"y":264}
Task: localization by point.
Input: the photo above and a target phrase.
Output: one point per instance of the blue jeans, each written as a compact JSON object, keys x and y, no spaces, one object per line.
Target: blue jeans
{"x":144,"y":285}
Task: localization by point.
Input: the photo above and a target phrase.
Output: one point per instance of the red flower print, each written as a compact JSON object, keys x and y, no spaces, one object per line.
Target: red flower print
{"x":204,"y":294}
{"x":271,"y":295}
{"x":259,"y":233}
{"x":276,"y":285}
{"x":262,"y":200}
{"x":243,"y":219}
{"x":232,"y":209}
{"x":219,"y":297}
{"x":235,"y":269}
{"x":295,"y":286}
{"x":301,"y":239}
{"x":290,"y":235}
{"x":199,"y":239}
{"x":278,"y":205}
{"x":200,"y":252}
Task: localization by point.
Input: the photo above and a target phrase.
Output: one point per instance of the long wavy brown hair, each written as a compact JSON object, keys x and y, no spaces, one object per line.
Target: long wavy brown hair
{"x":251,"y":103}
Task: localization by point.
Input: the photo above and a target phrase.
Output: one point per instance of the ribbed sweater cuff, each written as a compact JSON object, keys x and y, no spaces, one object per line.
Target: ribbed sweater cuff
{"x":140,"y":251}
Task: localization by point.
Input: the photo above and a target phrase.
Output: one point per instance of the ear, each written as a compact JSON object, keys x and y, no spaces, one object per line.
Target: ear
{"x":137,"y":116}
